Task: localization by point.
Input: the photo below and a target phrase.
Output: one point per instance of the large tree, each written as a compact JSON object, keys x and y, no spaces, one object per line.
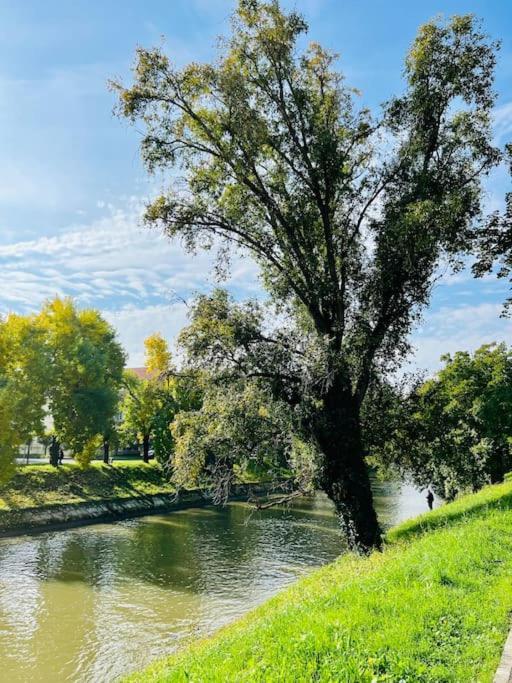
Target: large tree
{"x":347,"y":215}
{"x":62,"y":363}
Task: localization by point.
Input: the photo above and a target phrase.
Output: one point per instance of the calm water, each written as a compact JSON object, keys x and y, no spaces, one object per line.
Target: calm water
{"x":92,"y":603}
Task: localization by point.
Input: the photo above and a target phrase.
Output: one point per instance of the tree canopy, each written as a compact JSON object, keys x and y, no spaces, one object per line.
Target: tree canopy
{"x":22,"y":387}
{"x":63,"y":363}
{"x":454,"y":431}
{"x":150,"y":403}
{"x":84,"y":370}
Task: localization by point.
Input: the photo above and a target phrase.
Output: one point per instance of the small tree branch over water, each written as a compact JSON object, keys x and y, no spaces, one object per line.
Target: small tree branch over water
{"x":347,"y":215}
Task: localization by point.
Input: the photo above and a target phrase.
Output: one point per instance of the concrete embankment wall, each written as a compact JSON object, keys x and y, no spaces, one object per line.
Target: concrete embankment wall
{"x":37,"y":519}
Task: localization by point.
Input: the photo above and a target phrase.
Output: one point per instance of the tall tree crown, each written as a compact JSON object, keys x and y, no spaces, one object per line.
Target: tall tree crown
{"x":347,"y":214}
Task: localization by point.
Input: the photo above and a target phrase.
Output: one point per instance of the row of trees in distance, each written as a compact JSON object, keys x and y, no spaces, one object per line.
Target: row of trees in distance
{"x":60,"y":363}
{"x":63,"y":380}
{"x":63,"y":377}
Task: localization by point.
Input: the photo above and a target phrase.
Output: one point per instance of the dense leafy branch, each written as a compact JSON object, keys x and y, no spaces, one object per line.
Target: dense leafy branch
{"x":495,"y":241}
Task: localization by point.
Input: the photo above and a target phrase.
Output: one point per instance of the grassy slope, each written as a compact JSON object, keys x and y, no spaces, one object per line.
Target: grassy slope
{"x":433,"y":607}
{"x":43,"y":485}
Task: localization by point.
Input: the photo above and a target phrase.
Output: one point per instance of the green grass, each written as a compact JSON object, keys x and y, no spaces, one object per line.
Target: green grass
{"x":44,"y":485}
{"x":462,"y":509}
{"x":433,"y":607}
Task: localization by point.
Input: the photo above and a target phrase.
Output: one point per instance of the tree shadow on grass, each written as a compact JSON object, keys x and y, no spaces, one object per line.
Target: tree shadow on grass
{"x":70,"y":484}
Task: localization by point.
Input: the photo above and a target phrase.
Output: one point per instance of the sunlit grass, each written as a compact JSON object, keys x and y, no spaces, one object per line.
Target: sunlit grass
{"x":433,"y":607}
{"x":44,"y":485}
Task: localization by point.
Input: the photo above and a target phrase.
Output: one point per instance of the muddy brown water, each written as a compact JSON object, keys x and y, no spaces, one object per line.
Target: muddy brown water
{"x":90,"y":604}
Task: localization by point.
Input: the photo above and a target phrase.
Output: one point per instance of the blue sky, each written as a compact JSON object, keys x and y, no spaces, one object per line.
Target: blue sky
{"x":72,"y":186}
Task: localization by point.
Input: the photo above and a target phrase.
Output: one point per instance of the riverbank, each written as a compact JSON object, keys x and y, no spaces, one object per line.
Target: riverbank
{"x":44,"y":485}
{"x":42,"y":497}
{"x":434,"y":606}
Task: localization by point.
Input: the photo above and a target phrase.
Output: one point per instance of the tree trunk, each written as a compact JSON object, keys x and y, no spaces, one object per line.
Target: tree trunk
{"x":106,"y":451}
{"x":345,"y":476}
{"x":145,"y":448}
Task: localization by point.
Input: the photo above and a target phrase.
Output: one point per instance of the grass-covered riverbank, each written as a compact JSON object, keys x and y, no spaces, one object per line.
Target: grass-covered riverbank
{"x":433,"y":607}
{"x":44,"y":485}
{"x":42,"y":496}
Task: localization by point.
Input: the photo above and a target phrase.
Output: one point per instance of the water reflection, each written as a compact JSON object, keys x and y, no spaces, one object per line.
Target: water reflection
{"x":92,"y":603}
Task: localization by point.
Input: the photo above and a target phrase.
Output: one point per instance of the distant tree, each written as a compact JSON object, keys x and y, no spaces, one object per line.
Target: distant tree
{"x":23,"y":367}
{"x":348,"y":217}
{"x":149,"y":404}
{"x":455,"y":430}
{"x":62,"y":362}
{"x":83,"y":376}
{"x":158,"y":357}
{"x":179,"y":394}
{"x":183,"y":396}
{"x":140,"y":406}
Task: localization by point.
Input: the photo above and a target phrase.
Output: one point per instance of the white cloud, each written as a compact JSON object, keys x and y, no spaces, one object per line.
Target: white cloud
{"x":138,"y":279}
{"x":458,"y":328}
{"x":502,"y":120}
{"x":135,"y":324}
{"x":112,"y":262}
{"x":134,"y":275}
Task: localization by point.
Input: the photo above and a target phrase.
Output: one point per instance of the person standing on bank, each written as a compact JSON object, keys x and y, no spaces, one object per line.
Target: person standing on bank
{"x":430,"y":499}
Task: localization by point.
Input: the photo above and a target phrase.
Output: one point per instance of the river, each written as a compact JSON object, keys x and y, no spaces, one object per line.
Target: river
{"x":92,"y":603}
